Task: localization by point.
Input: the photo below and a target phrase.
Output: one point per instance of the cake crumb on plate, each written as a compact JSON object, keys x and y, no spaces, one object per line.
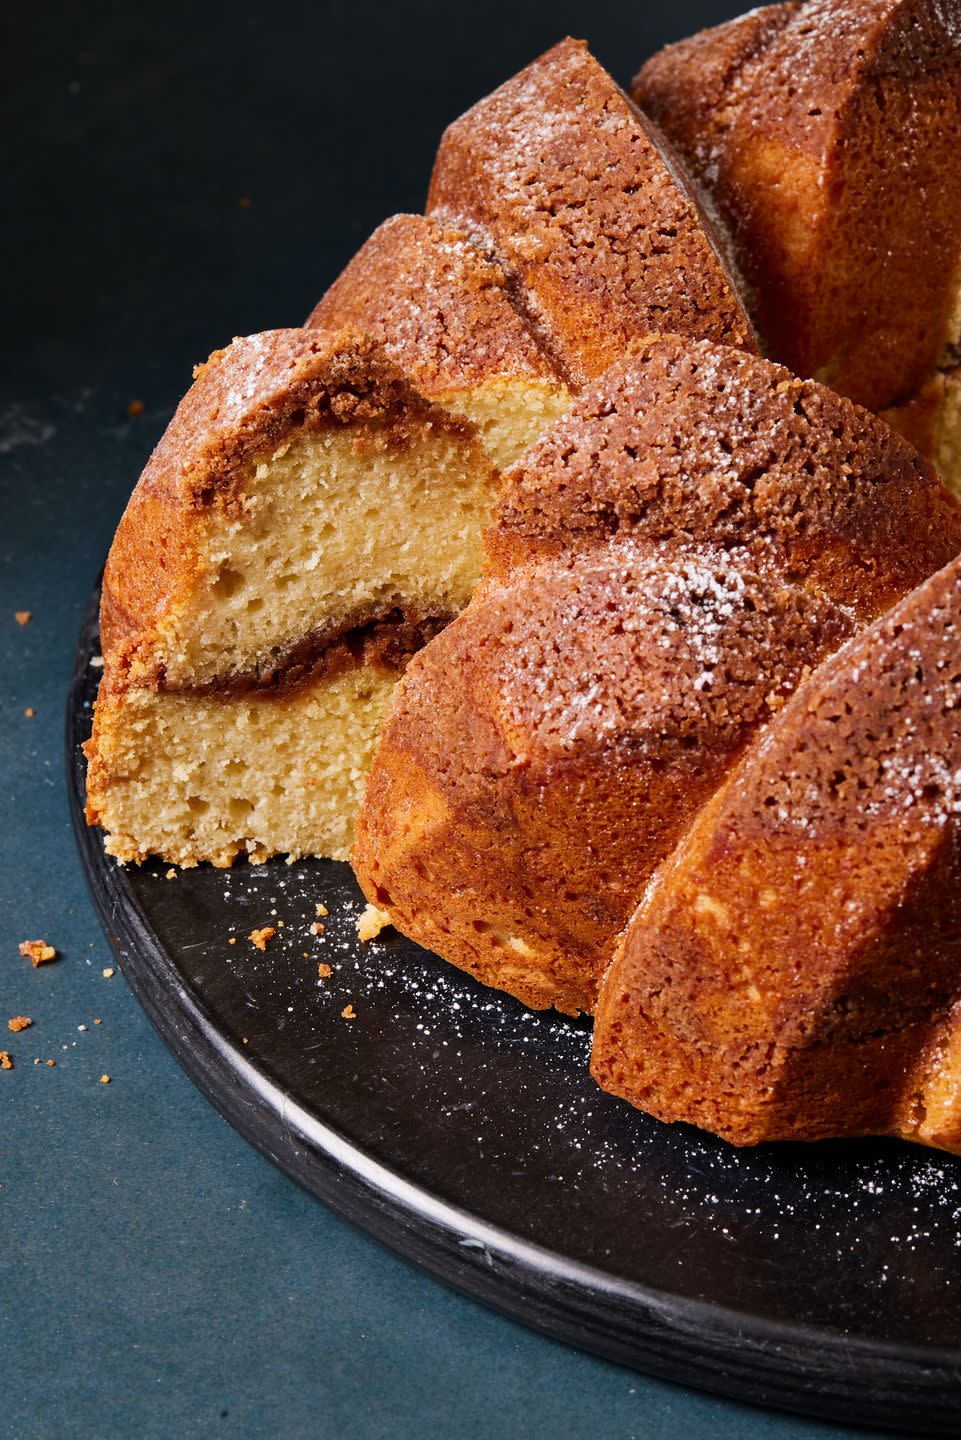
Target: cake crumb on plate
{"x":38,"y":951}
{"x":372,"y":922}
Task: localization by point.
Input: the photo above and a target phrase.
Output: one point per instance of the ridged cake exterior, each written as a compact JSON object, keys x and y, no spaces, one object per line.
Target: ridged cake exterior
{"x":665,"y":565}
{"x":442,"y":311}
{"x":794,"y":970}
{"x":559,"y":177}
{"x":826,"y":135}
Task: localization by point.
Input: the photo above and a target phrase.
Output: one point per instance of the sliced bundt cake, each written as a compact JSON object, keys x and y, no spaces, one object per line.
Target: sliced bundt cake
{"x":794,"y":970}
{"x":442,"y":311}
{"x":666,"y":562}
{"x":559,"y":177}
{"x":826,"y":136}
{"x":314,"y":511}
{"x":306,"y":521}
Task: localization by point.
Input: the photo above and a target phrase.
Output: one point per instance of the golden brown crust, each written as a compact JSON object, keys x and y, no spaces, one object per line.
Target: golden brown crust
{"x":695,"y":504}
{"x":793,"y":971}
{"x":246,"y":401}
{"x":436,"y":305}
{"x":512,"y":818}
{"x":827,"y":136}
{"x":560,"y":178}
{"x":696,"y":440}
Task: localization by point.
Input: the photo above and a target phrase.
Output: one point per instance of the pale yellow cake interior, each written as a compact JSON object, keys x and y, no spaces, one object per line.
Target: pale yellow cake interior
{"x":947,"y":426}
{"x":509,"y":414}
{"x":330,"y":529}
{"x":197,"y":777}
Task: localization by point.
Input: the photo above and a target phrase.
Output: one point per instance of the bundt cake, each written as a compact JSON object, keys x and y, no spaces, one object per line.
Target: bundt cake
{"x":794,"y":970}
{"x":559,"y":176}
{"x":826,"y":137}
{"x":307,"y":519}
{"x":696,"y":532}
{"x":287,"y":549}
{"x":688,"y":756}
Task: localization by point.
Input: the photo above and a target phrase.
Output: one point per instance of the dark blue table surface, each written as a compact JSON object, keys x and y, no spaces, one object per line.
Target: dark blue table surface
{"x":157,"y":1277}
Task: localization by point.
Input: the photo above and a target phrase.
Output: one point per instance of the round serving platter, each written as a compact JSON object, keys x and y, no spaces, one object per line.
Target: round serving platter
{"x":465,"y":1132}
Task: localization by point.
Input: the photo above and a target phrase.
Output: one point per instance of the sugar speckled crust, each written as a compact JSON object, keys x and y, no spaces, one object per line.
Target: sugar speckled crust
{"x":512,"y":819}
{"x":436,"y":305}
{"x":827,"y":136}
{"x":794,"y":971}
{"x":695,"y":440}
{"x":691,"y":536}
{"x":246,"y":401}
{"x":558,"y":176}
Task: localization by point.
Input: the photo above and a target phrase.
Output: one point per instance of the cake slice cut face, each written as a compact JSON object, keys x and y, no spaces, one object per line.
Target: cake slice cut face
{"x":674,"y":563}
{"x":443,"y":313}
{"x":558,"y":176}
{"x":826,"y":136}
{"x":306,"y":522}
{"x":794,"y":971}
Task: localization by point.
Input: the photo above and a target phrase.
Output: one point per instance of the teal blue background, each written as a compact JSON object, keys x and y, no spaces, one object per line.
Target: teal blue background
{"x":157,"y":1277}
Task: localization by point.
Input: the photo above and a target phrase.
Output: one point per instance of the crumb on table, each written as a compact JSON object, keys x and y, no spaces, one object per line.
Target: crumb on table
{"x":348,"y":1013}
{"x":105,"y":1079}
{"x":171,"y":874}
{"x":321,"y":909}
{"x":261,"y":937}
{"x":136,"y":407}
{"x":324,"y":971}
{"x":16,"y":1023}
{"x":316,"y":928}
{"x":23,"y":617}
{"x":5,"y":1062}
{"x":38,"y":951}
{"x":371,"y":922}
{"x":108,"y":972}
{"x":29,"y":712}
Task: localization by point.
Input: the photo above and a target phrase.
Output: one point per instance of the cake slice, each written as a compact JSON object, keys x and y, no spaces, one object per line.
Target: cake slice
{"x":826,"y":137}
{"x":697,"y":530}
{"x":442,"y":311}
{"x":561,"y":180}
{"x":307,"y":520}
{"x":794,"y":971}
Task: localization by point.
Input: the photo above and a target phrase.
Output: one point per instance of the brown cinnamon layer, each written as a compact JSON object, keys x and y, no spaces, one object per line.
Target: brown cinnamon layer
{"x":386,"y":640}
